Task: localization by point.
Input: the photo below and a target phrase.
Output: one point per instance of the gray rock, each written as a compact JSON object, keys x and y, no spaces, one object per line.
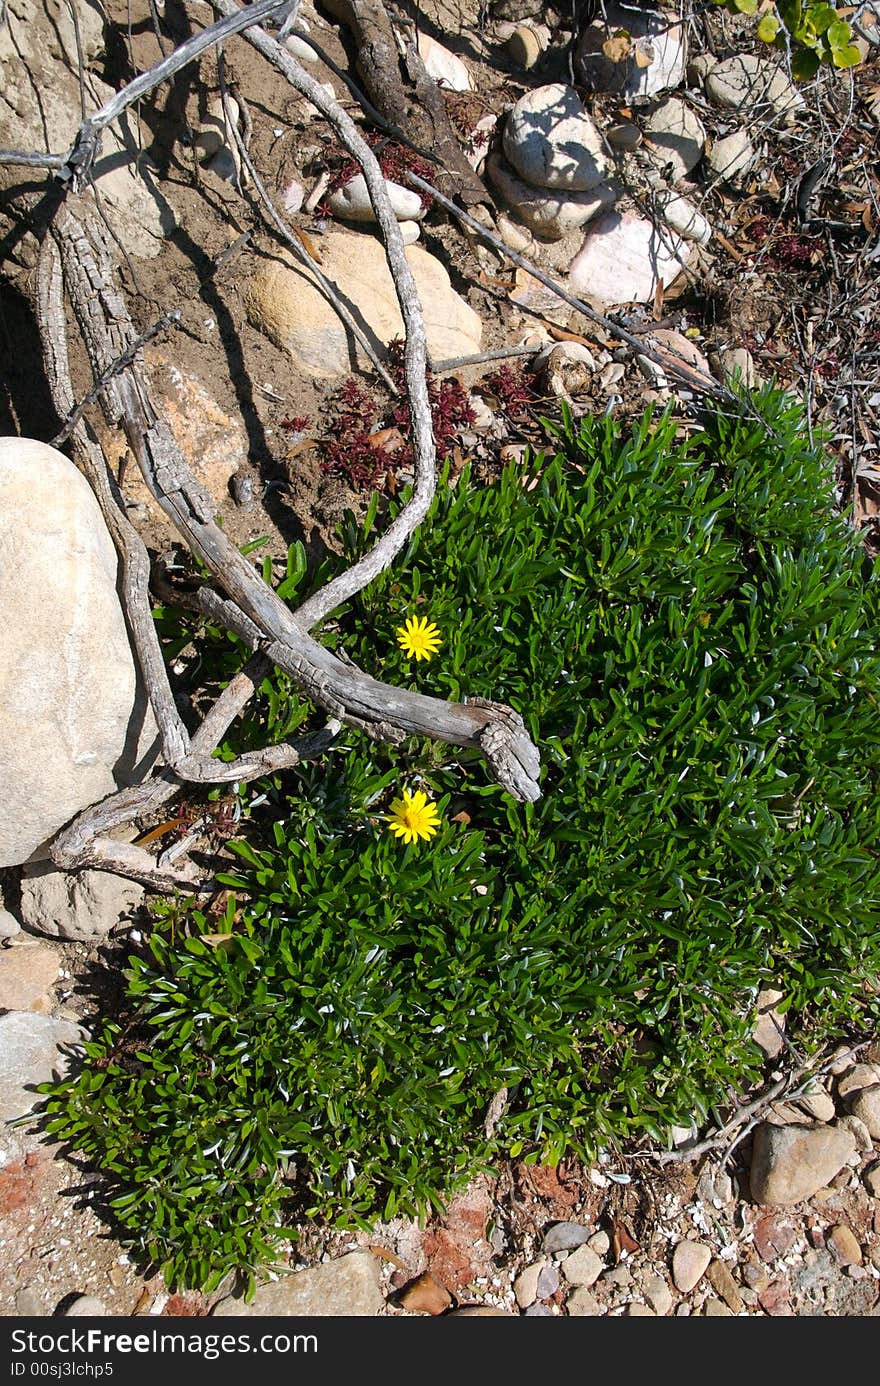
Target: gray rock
{"x":658,"y":37}
{"x":352,"y":202}
{"x":548,"y":1281}
{"x":746,"y":81}
{"x":791,"y":1163}
{"x":27,"y":972}
{"x":675,"y":138}
{"x":548,"y":214}
{"x":82,"y":906}
{"x":731,"y":157}
{"x":583,"y":1267}
{"x":538,"y":1311}
{"x":347,"y":1287}
{"x":30,"y":1044}
{"x":690,"y":1261}
{"x":871,"y":1180}
{"x":865,"y":1105}
{"x":71,"y":713}
{"x":564,"y":1236}
{"x":446,"y":68}
{"x":624,"y":257}
{"x":551,"y":141}
{"x":681,"y":214}
{"x":626,"y":136}
{"x":9,"y":925}
{"x":86,"y":1307}
{"x":819,"y":1105}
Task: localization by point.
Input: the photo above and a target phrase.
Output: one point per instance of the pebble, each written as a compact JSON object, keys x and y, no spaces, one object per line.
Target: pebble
{"x":425,"y":1295}
{"x":715,"y":1308}
{"x":9,"y":925}
{"x":635,"y":1310}
{"x":409,"y":231}
{"x":858,"y":1077}
{"x":512,"y":235}
{"x":871,"y":1180}
{"x":731,"y":156}
{"x":548,"y":1281}
{"x":865,"y":1106}
{"x":31,"y":1047}
{"x":675,"y":138}
{"x":525,"y":1286}
{"x":552,"y":142}
{"x":27,"y":973}
{"x":859,"y":1131}
{"x":770,"y":1022}
{"x":844,"y":1246}
{"x":657,"y":1293}
{"x":446,"y":68}
{"x":548,"y":213}
{"x":583,"y":1267}
{"x":524,"y":46}
{"x":352,"y":202}
{"x":733,"y":362}
{"x":30,"y":1305}
{"x":612,"y":375}
{"x":724,"y":1285}
{"x":690,"y":1261}
{"x":301,"y":50}
{"x":681,"y":214}
{"x":86,"y":1307}
{"x":626,"y":136}
{"x":538,"y":1311}
{"x":745,"y":80}
{"x":564,"y":1236}
{"x":600,"y":1242}
{"x":581,"y":1304}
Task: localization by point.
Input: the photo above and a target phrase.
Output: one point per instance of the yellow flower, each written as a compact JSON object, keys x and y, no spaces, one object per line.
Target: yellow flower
{"x":419,"y":637}
{"x":413,"y":817}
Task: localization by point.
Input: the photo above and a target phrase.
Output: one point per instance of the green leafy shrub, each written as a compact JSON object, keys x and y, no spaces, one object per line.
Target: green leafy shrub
{"x":690,"y":633}
{"x":813,"y":33}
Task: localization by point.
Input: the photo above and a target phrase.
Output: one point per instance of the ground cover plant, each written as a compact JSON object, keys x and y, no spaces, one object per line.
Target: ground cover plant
{"x":689,"y":630}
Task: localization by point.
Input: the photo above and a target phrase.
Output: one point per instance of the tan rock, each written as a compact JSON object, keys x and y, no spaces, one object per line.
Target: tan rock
{"x":345,"y":1287}
{"x":690,"y":1260}
{"x":425,"y":1295}
{"x":27,"y":972}
{"x":857,"y":1077}
{"x":844,"y":1246}
{"x":790,"y":1163}
{"x":282,"y":300}
{"x":581,"y":1304}
{"x":865,"y":1106}
{"x":724,"y":1285}
{"x":770,"y":1022}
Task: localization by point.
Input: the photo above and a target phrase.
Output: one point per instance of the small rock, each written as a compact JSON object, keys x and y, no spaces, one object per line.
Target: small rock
{"x":871,"y":1179}
{"x":538,"y":1311}
{"x":865,"y":1105}
{"x":623,"y":259}
{"x":653,"y":62}
{"x":27,"y":972}
{"x":844,"y":1246}
{"x":652,"y":371}
{"x":714,"y":1186}
{"x":581,"y":1304}
{"x":690,"y":1261}
{"x":699,"y":67}
{"x":82,"y":906}
{"x":30,"y":1305}
{"x":425,"y":1296}
{"x":525,"y":1286}
{"x":446,"y":69}
{"x":511,"y":234}
{"x":242,"y":488}
{"x":548,"y":214}
{"x":635,"y":1310}
{"x":732,"y":364}
{"x":564,"y":1236}
{"x":583,"y":1267}
{"x":746,"y":81}
{"x":34,"y":1051}
{"x":9,"y":925}
{"x":859,"y":1131}
{"x":600,"y":1242}
{"x":770,"y":1022}
{"x":731,"y":157}
{"x":215,"y":134}
{"x":790,"y":1163}
{"x":409,"y":231}
{"x":548,"y":1281}
{"x":352,"y":202}
{"x":86,"y":1307}
{"x":612,"y":375}
{"x":681,"y":214}
{"x":714,"y":1308}
{"x":300,"y":49}
{"x":619,"y":1276}
{"x":676,"y":349}
{"x":786,"y":1114}
{"x":724,"y":1285}
{"x":657,"y":1293}
{"x":524,"y":46}
{"x":345,"y":1287}
{"x":675,"y":138}
{"x":293,"y":196}
{"x":484,"y":1311}
{"x":819,"y":1105}
{"x":858,"y":1077}
{"x":551,"y":140}
{"x":626,"y":136}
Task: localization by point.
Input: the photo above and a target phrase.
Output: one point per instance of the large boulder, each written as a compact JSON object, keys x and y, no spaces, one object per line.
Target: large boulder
{"x":284,"y":302}
{"x":74,"y":726}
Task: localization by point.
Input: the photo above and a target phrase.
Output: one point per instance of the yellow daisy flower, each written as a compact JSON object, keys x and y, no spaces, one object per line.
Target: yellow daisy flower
{"x":413,"y":817}
{"x":419,"y":638}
